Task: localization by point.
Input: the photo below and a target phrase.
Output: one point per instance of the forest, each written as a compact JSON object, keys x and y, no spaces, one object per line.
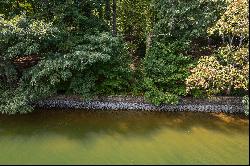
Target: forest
{"x":160,"y":49}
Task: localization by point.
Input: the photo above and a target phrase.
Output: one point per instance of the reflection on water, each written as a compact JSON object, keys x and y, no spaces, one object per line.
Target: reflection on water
{"x":128,"y":137}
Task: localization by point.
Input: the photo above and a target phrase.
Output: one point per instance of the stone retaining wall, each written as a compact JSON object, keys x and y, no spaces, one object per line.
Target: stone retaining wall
{"x":215,"y":104}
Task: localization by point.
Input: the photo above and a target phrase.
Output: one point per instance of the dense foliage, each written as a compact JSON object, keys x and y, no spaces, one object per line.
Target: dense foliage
{"x":134,"y":22}
{"x":228,"y":69}
{"x":177,"y":25}
{"x":220,"y":73}
{"x":234,"y":22}
{"x":165,"y":72}
{"x":70,"y":57}
{"x":161,"y":49}
{"x":181,"y":22}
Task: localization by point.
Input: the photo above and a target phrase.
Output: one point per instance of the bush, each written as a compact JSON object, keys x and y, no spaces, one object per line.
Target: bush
{"x":156,"y":95}
{"x":221,"y":73}
{"x":176,"y":25}
{"x":228,"y":69}
{"x":165,"y":72}
{"x":75,"y":62}
{"x":22,"y":36}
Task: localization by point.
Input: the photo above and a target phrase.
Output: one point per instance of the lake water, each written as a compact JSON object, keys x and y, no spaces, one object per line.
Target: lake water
{"x":123,"y":137}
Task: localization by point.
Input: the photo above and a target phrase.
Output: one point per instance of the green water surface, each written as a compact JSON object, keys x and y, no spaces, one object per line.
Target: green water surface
{"x":127,"y":137}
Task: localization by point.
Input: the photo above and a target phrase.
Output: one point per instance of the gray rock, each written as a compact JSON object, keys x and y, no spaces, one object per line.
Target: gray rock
{"x":216,"y":104}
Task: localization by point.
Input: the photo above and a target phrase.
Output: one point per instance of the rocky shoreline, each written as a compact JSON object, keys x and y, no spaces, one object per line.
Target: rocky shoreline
{"x":215,"y":104}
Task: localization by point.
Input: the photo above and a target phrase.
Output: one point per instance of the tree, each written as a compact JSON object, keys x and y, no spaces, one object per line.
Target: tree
{"x":114,"y":30}
{"x":108,"y":11}
{"x":167,"y":63}
{"x":134,"y":22}
{"x":76,"y":54}
{"x":227,"y":70}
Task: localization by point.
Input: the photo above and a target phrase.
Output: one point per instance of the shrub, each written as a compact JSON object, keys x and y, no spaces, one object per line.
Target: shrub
{"x":22,"y":36}
{"x":228,"y":69}
{"x":166,"y":71}
{"x":176,"y":25}
{"x":221,"y":73}
{"x":76,"y":62}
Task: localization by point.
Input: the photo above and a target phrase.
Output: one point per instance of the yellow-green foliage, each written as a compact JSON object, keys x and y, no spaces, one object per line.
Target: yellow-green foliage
{"x":228,"y":68}
{"x":134,"y":21}
{"x":234,"y":21}
{"x":176,"y":24}
{"x":221,"y":72}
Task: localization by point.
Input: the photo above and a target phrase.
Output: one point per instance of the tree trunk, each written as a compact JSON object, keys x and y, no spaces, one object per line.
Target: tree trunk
{"x":231,"y":39}
{"x":149,"y":41}
{"x":107,"y":10}
{"x":114,"y":31}
{"x":228,"y":91}
{"x":241,"y":40}
{"x":100,"y":11}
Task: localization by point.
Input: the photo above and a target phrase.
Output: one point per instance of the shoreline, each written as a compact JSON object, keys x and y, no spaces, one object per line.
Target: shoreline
{"x":218,"y":104}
